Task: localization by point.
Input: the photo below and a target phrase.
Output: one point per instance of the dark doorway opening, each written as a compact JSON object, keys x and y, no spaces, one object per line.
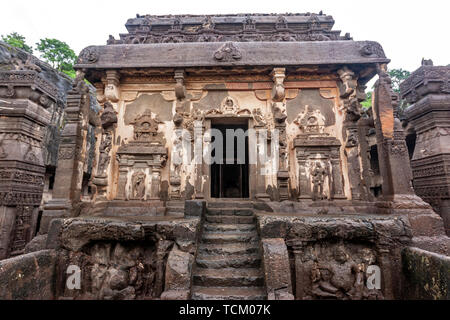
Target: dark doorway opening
{"x":230,"y":179}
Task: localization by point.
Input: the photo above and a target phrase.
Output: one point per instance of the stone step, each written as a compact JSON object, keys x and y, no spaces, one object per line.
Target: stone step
{"x":217,"y":237}
{"x":241,"y":212}
{"x":229,"y":248}
{"x":230,"y":219}
{"x":176,"y":202}
{"x":230,"y":203}
{"x":229,"y":261}
{"x":228,"y":277}
{"x":230,"y":293}
{"x":220,"y":227}
{"x":175,"y":211}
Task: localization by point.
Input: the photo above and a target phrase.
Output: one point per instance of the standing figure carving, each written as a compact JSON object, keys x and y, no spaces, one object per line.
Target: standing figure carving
{"x":318,"y":175}
{"x":138,"y":186}
{"x":105,"y":147}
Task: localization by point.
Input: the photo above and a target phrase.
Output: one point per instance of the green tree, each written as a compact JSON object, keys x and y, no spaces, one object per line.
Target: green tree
{"x":398,"y":76}
{"x":58,"y":54}
{"x":18,"y":41}
{"x":367,"y":104}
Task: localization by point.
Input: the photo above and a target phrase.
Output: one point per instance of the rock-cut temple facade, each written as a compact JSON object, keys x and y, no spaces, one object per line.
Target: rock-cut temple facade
{"x":305,"y":208}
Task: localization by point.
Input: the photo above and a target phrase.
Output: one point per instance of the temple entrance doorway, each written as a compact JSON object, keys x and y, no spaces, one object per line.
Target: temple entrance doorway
{"x":230,"y":177}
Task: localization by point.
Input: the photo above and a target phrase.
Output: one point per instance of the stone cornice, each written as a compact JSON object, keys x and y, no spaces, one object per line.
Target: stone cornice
{"x":182,"y":55}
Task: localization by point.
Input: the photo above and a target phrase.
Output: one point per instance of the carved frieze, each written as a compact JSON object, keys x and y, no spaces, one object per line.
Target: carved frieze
{"x":228,"y":107}
{"x":223,"y":28}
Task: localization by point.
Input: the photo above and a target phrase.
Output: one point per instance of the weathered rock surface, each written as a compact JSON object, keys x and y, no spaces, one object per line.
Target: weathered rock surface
{"x":39,"y":243}
{"x":78,"y":232}
{"x":28,"y":277}
{"x":179,"y":270}
{"x":277,"y":270}
{"x":427,"y":275}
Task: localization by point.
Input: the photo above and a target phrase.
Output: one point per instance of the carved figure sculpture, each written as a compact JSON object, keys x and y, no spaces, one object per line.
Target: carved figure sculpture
{"x":259,"y":118}
{"x":105,"y":147}
{"x":138,"y":186}
{"x":318,"y":176}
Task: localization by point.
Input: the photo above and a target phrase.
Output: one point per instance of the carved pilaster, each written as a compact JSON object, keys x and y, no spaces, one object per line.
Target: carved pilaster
{"x":198,"y":158}
{"x":279,"y":113}
{"x":108,"y":125}
{"x":351,"y":94}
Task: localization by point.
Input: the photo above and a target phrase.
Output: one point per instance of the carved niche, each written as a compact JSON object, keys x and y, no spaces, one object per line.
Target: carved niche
{"x":318,"y":158}
{"x":141,"y":161}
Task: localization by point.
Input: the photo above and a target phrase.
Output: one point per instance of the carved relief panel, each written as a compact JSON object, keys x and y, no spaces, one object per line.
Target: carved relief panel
{"x":318,"y":158}
{"x":141,"y":161}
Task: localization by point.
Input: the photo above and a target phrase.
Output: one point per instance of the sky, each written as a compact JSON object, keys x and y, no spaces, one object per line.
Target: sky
{"x":408,"y":30}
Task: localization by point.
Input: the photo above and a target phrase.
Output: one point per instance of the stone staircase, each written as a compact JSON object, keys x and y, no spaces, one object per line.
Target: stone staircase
{"x":175,"y":208}
{"x":228,"y":265}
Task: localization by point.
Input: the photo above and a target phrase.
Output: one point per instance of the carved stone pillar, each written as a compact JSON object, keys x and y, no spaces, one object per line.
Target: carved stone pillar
{"x":279,"y":112}
{"x":27,"y":99}
{"x":72,"y":155}
{"x":392,"y":149}
{"x":398,"y":193}
{"x":351,"y":95}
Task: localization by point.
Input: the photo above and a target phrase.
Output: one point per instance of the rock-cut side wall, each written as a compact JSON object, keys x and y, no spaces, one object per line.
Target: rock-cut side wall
{"x":28,"y":277}
{"x":427,"y":275}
